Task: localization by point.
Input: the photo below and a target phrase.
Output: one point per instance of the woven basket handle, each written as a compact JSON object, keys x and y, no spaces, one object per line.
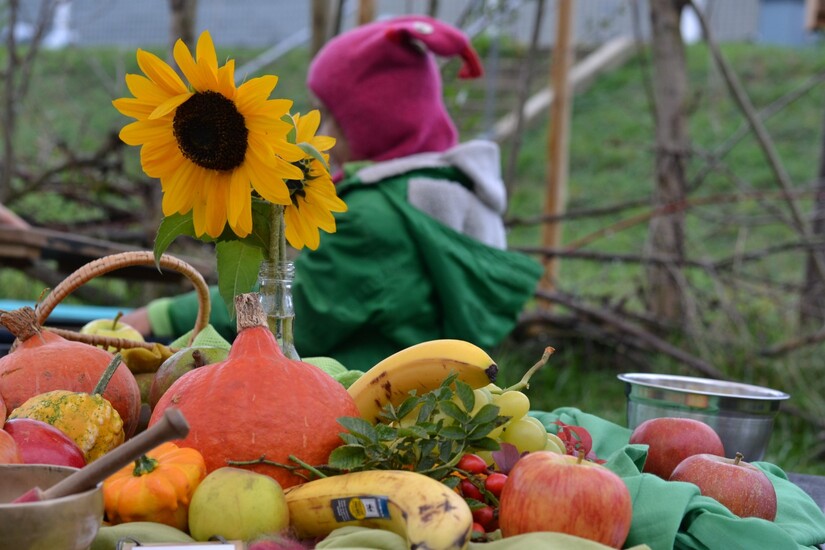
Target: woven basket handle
{"x":114,"y":262}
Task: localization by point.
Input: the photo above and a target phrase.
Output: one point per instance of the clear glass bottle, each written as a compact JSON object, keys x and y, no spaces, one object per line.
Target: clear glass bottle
{"x":275,"y":290}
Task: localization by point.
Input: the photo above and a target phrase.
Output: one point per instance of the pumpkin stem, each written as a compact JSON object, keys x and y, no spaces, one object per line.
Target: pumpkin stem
{"x":249,"y":310}
{"x":22,"y":323}
{"x":144,"y":465}
{"x":107,"y":375}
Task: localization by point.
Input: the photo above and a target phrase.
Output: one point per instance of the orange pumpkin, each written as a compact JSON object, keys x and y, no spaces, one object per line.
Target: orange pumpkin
{"x":45,"y":361}
{"x":157,"y":487}
{"x":258,"y":403}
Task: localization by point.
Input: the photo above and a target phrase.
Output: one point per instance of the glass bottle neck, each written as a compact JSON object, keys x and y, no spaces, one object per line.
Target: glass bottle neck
{"x":275,"y":290}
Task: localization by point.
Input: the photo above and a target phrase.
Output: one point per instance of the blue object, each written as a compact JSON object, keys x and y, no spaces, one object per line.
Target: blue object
{"x":66,"y":314}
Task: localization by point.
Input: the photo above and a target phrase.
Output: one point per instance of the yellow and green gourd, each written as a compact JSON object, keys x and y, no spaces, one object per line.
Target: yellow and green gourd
{"x":89,"y":419}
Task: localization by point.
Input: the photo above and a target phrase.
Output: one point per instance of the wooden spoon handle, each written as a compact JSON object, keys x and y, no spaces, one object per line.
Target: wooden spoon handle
{"x":172,"y":425}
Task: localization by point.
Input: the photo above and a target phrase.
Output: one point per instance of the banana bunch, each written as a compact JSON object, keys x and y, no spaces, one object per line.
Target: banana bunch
{"x":422,"y":367}
{"x":425,"y":511}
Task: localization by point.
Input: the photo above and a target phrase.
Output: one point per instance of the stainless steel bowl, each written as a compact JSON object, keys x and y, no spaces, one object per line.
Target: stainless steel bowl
{"x":68,"y":523}
{"x":742,"y":414}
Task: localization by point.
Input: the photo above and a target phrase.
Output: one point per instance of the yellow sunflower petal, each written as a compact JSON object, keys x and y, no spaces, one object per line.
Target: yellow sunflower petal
{"x":239,"y":195}
{"x":262,"y":172}
{"x":186,"y":63}
{"x":243,"y":227}
{"x":317,"y":216}
{"x":309,"y":233}
{"x":170,"y":105}
{"x":160,"y":160}
{"x":291,"y":228}
{"x":308,"y":125}
{"x":143,"y":131}
{"x":216,"y":195}
{"x":226,"y":80}
{"x":146,"y":90}
{"x":199,"y":215}
{"x":291,"y":153}
{"x":206,"y":52}
{"x":134,"y":108}
{"x":255,"y":91}
{"x":160,"y":73}
{"x":322,"y":143}
{"x":180,"y":189}
{"x":270,"y":129}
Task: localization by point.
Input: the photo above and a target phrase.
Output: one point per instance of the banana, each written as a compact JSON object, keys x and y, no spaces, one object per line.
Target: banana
{"x":425,"y":511}
{"x":422,"y":367}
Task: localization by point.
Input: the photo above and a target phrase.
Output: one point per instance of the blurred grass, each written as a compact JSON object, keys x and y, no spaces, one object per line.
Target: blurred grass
{"x":611,"y":161}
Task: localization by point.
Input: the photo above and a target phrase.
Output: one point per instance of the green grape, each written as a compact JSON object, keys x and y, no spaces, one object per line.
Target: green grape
{"x":513,"y":404}
{"x":535,"y":421}
{"x":481,"y":398}
{"x":496,"y":433}
{"x":525,"y":435}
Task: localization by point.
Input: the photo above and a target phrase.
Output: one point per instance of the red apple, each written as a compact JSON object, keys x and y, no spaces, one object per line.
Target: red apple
{"x":42,"y":443}
{"x":9,"y":453}
{"x":4,"y":412}
{"x":546,"y":491}
{"x":743,"y":488}
{"x":671,"y":440}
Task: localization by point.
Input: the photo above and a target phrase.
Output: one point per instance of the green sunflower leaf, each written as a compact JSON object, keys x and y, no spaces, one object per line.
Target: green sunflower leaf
{"x":170,"y":228}
{"x":261,"y":215}
{"x":238,"y":266}
{"x":293,"y":132}
{"x":310,"y":150}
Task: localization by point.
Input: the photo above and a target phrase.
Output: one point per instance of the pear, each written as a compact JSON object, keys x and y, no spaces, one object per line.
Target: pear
{"x":179,"y":364}
{"x":237,"y":504}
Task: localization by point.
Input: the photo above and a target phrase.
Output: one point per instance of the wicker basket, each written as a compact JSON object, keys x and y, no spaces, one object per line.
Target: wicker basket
{"x":107,"y":264}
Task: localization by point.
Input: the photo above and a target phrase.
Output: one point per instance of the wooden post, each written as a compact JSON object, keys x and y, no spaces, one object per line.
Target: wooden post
{"x":559,"y":137}
{"x":366,"y":11}
{"x":319,"y":19}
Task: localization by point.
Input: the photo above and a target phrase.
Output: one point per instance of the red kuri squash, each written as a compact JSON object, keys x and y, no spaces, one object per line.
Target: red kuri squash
{"x":259,"y":404}
{"x":45,"y":361}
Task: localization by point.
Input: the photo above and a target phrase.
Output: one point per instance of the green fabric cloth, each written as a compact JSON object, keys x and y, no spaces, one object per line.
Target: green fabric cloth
{"x":392,"y":276}
{"x":208,"y":337}
{"x":675,"y":515}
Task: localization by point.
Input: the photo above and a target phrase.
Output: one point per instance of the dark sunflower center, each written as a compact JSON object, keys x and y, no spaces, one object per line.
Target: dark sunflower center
{"x":296,"y":189}
{"x":211,"y":132}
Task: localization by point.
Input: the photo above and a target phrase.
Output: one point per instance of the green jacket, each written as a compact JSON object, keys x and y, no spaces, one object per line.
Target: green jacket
{"x":392,"y":276}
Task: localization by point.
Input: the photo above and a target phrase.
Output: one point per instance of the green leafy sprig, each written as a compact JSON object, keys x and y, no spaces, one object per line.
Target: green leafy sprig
{"x":432,"y":445}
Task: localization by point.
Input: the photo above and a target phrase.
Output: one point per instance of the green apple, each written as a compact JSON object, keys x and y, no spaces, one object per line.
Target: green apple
{"x":112,"y":327}
{"x":237,"y":504}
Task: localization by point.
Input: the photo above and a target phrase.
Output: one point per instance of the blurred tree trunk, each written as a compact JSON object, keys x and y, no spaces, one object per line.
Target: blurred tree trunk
{"x":183,"y":14}
{"x":366,"y":11}
{"x":15,"y":77}
{"x":319,"y":15}
{"x":666,"y":234}
{"x":812,"y":300}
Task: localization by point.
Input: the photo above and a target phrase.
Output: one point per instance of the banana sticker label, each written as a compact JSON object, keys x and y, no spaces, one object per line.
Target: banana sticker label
{"x":358,"y":508}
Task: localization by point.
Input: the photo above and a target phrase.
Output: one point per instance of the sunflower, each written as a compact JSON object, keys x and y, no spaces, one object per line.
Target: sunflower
{"x":210,"y":143}
{"x":313,"y":197}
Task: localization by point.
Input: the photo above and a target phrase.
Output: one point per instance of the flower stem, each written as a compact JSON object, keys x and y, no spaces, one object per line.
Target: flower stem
{"x":277,"y":236}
